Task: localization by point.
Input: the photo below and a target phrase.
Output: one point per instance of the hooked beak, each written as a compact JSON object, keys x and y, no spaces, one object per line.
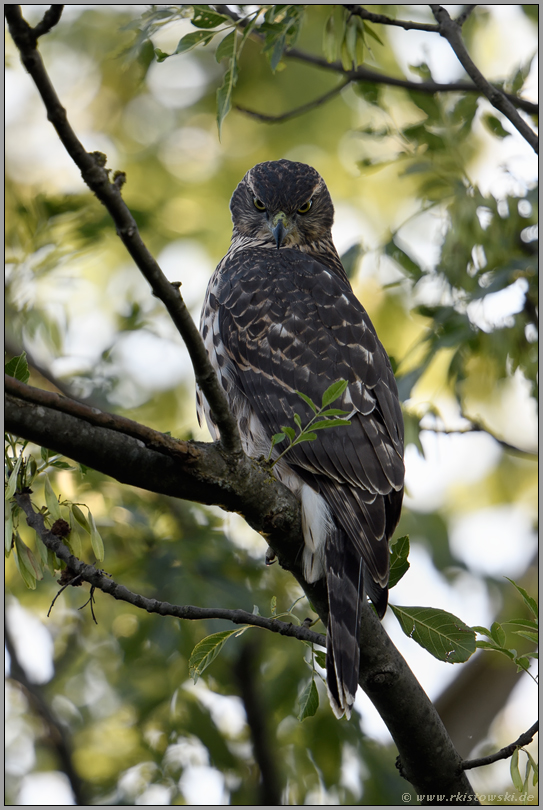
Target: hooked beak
{"x":279,"y":228}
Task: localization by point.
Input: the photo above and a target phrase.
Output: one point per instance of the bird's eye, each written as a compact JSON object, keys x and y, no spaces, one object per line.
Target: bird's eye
{"x":303,"y":209}
{"x":259,"y":205}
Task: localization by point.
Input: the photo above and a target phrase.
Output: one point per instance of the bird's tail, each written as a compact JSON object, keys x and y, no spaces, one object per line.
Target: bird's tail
{"x":346,"y":596}
{"x":345,"y":580}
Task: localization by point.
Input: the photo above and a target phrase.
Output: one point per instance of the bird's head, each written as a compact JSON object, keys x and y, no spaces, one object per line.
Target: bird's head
{"x":283,"y":203}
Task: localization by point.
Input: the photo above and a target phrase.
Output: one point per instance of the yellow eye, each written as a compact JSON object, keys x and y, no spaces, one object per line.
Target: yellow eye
{"x":303,"y":209}
{"x":259,"y":205}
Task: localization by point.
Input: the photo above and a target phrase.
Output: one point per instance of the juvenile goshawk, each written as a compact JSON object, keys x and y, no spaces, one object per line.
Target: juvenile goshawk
{"x":280,"y":317}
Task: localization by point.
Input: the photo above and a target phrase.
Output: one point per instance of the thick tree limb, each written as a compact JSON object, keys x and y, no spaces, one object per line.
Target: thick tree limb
{"x":96,"y":176}
{"x":451,"y":31}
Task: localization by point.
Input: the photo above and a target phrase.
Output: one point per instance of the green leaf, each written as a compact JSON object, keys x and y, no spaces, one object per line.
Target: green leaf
{"x":369,"y":30}
{"x":533,"y":765}
{"x":226,"y":47}
{"x":224,"y":95}
{"x":527,"y":634}
{"x":333,"y":392}
{"x":329,"y":44}
{"x":161,"y":56}
{"x":526,"y":623}
{"x":334,"y":412}
{"x":309,"y":701}
{"x":445,"y":636}
{"x":495,"y":126}
{"x":400,"y":257}
{"x":298,"y":421}
{"x":277,"y":438}
{"x":28,"y":578}
{"x":498,"y":634}
{"x":518,"y":782}
{"x":12,"y":481}
{"x":51,"y":500}
{"x":203,"y":18}
{"x":329,"y":423}
{"x":27,"y":559}
{"x":206,"y":651}
{"x":529,"y":600}
{"x":190,"y":41}
{"x":96,"y":541}
{"x":490,"y":645}
{"x":8,"y":531}
{"x":273,"y":605}
{"x":320,"y":658}
{"x":306,"y":437}
{"x":18,"y":367}
{"x":308,"y":401}
{"x":399,"y":564}
{"x":80,"y":517}
{"x":289,"y":432}
{"x":483,"y":631}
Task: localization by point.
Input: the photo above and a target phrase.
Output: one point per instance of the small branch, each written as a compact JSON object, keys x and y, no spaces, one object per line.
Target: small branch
{"x":364,"y":74}
{"x":461,"y":19}
{"x":96,"y":176}
{"x":407,"y":25}
{"x":478,"y":427}
{"x":451,"y":31}
{"x":57,"y":737}
{"x":504,"y":753}
{"x":50,"y":19}
{"x":275,"y":119}
{"x":88,"y":573}
{"x":93,"y":416}
{"x":265,"y":753}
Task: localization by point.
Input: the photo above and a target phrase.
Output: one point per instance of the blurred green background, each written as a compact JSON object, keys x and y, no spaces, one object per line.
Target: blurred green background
{"x":436,"y":211}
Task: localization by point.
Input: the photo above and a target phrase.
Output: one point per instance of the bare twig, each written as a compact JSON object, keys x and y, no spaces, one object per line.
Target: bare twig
{"x":363,"y":74}
{"x":503,"y":753}
{"x":50,"y":19}
{"x":311,"y":105}
{"x":407,"y":25}
{"x":451,"y":31}
{"x":96,"y":176}
{"x":478,"y":427}
{"x":98,"y":579}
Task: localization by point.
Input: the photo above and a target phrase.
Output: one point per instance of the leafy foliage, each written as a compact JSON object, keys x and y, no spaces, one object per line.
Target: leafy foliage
{"x":392,"y":157}
{"x":317,"y":422}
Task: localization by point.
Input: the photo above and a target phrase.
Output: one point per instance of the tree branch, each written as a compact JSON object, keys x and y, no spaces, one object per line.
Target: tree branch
{"x":477,"y":427}
{"x":275,"y":119}
{"x":57,"y":738}
{"x":451,"y":31}
{"x":98,"y":579}
{"x":265,"y":753}
{"x":503,"y":753}
{"x":201,"y":472}
{"x":407,"y":25}
{"x":96,"y":176}
{"x":364,"y":74}
{"x":198,"y":472}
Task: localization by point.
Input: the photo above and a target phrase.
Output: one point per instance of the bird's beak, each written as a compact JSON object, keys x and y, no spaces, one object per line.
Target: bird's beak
{"x":280,"y":228}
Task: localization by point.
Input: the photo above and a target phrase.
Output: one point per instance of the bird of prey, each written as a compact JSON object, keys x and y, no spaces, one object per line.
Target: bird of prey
{"x":280,"y":317}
